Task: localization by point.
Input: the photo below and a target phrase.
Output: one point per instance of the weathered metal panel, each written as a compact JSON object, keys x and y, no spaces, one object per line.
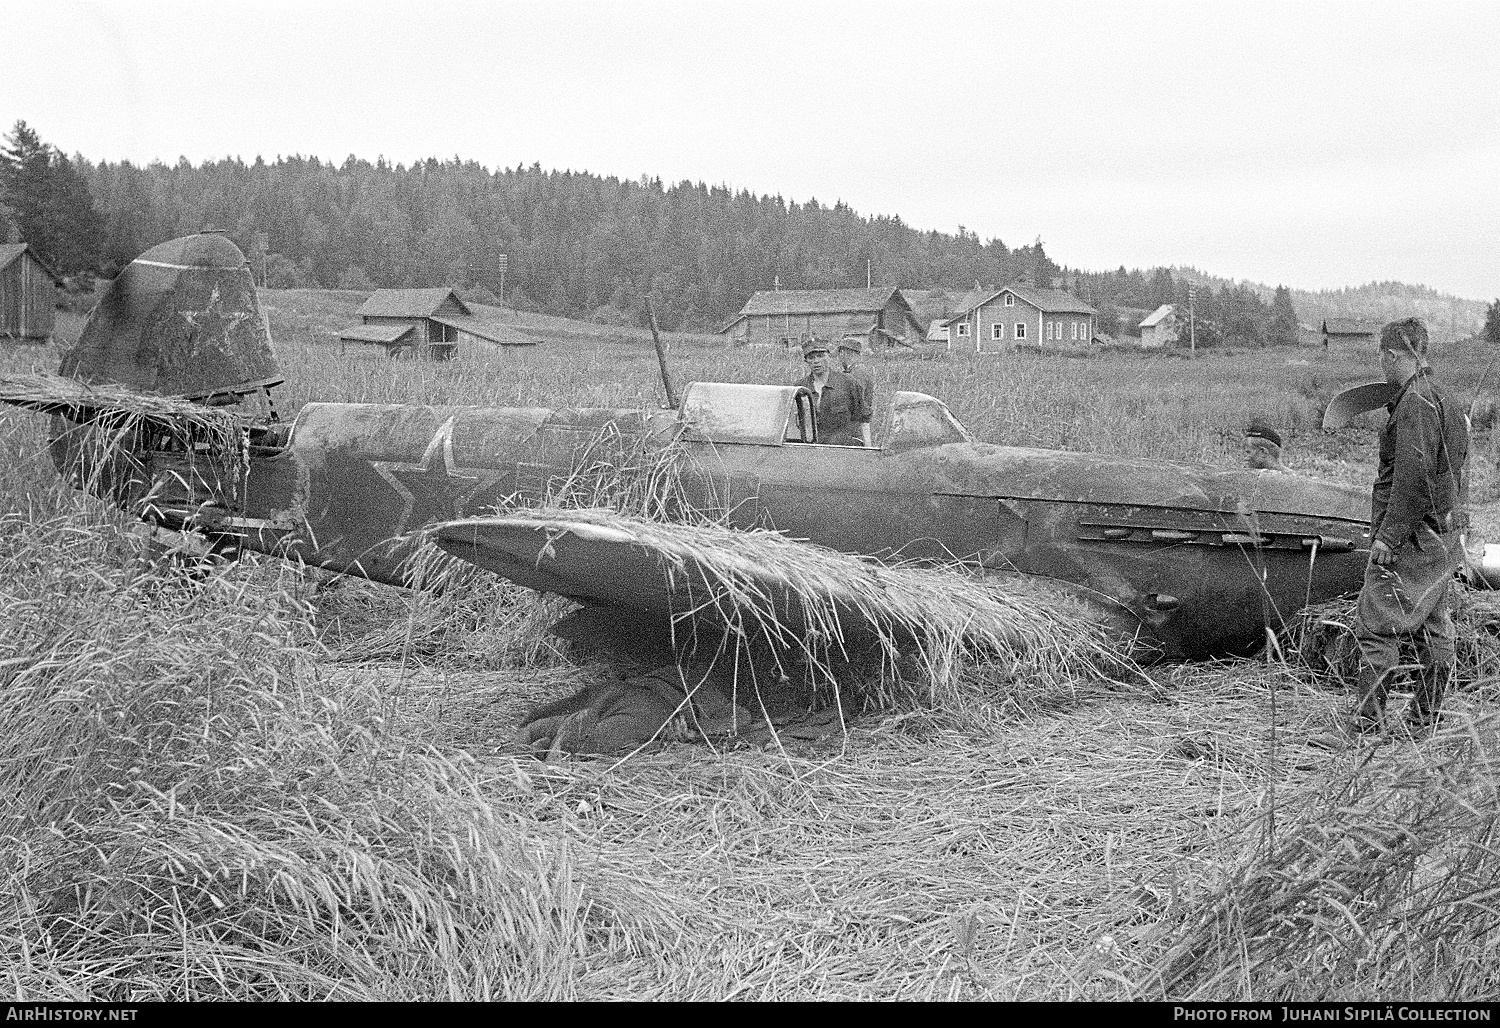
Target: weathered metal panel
{"x":182,"y":319}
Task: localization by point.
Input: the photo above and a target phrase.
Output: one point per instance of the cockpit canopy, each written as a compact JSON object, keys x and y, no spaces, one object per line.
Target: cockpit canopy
{"x":767,"y":415}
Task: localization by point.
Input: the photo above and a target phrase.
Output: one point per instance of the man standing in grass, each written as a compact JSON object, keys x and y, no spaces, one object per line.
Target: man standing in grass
{"x":850,"y":347}
{"x":1416,"y":516}
{"x":843,"y":419}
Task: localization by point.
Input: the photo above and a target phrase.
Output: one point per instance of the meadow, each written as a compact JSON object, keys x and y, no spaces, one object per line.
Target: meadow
{"x":262,"y":784}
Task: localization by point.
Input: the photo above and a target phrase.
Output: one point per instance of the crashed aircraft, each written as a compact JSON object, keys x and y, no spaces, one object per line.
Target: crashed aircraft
{"x":1197,"y":561}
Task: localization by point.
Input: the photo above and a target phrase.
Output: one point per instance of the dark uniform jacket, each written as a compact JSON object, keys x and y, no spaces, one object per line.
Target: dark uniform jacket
{"x":866,"y":389}
{"x":841,"y":409}
{"x":1423,"y":450}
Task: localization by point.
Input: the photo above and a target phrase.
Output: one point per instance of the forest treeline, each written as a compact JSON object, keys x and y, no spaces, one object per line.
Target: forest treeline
{"x":577,"y":244}
{"x":581,"y":245}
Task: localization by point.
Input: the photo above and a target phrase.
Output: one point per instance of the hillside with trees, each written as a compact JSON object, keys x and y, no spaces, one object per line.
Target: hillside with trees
{"x":581,"y":245}
{"x":1447,"y":316}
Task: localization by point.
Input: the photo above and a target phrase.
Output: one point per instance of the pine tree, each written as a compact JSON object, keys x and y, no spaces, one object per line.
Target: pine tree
{"x":49,"y":201}
{"x":1282,"y":330}
{"x":1492,"y":323}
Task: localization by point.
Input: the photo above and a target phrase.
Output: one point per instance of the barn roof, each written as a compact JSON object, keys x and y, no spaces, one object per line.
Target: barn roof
{"x":1158,"y":315}
{"x":491,"y":331}
{"x":1048,"y":301}
{"x":408,"y":303}
{"x":386,"y":334}
{"x":11,"y":251}
{"x":1347,"y":327}
{"x":937,"y":332}
{"x":817,"y":301}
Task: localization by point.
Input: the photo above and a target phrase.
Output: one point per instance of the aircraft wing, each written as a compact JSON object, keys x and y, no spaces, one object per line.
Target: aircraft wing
{"x":792,"y":589}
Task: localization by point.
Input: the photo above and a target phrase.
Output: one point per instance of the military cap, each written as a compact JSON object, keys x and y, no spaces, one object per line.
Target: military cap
{"x":812,"y":346}
{"x":1260,"y":430}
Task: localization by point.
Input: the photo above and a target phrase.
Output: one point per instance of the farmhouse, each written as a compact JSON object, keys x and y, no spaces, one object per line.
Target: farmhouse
{"x":1020,"y":314}
{"x":423,"y":323}
{"x":1347,"y":332}
{"x":28,"y":294}
{"x":1160,"y":327}
{"x":787,"y":317}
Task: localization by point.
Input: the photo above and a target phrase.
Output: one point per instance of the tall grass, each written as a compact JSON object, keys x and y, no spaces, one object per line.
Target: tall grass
{"x":236,"y":785}
{"x":1383,"y":882}
{"x":194,"y":804}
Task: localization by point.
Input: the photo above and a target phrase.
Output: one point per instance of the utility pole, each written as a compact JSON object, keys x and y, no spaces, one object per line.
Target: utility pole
{"x":262,"y":244}
{"x":504,"y":260}
{"x":867,"y":273}
{"x":1192,"y":323}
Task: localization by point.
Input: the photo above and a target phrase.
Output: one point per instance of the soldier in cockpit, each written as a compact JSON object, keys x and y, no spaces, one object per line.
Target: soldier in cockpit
{"x":843,"y":406}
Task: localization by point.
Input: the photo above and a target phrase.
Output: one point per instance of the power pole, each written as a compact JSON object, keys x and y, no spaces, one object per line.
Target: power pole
{"x":504,"y":260}
{"x":867,"y":273}
{"x":262,"y":244}
{"x":1192,"y":323}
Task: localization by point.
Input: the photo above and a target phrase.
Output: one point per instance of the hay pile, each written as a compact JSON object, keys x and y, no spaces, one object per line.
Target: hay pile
{"x":824,"y":608}
{"x":80,"y":401}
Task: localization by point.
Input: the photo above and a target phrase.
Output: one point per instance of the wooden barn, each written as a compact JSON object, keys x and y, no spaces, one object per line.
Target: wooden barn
{"x":28,"y":294}
{"x":1349,"y":333}
{"x":1161,"y":327}
{"x":425,"y":324}
{"x":786,"y":317}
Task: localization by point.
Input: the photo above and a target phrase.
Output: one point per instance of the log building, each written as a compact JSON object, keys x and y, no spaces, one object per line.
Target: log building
{"x":28,"y":294}
{"x":787,"y":317}
{"x":422,"y":323}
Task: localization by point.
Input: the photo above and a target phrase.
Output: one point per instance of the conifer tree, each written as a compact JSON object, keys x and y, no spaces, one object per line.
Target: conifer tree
{"x":1283,"y":328}
{"x":50,"y":202}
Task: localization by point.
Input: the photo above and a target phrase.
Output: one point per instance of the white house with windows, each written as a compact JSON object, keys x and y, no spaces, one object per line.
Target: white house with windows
{"x":1025,"y":315}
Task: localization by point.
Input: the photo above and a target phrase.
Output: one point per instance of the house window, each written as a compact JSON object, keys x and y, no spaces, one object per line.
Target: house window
{"x":1074,"y":334}
{"x":963,"y":329}
{"x":997,"y":331}
{"x":1010,"y":301}
{"x":1020,"y":330}
{"x":1049,"y":331}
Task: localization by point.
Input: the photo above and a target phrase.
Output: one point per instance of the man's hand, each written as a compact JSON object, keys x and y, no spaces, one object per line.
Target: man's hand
{"x":1381,"y":555}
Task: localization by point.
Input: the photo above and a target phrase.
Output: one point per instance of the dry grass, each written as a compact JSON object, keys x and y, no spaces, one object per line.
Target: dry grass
{"x":246,"y":786}
{"x":822,"y":608}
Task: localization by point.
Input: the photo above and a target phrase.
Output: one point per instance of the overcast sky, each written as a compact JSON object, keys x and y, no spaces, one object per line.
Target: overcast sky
{"x":1312,"y":144}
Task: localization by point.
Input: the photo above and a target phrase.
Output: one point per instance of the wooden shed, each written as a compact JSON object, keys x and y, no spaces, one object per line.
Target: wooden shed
{"x":1161,"y":327}
{"x":28,"y":294}
{"x":786,"y":317}
{"x":423,"y":323}
{"x":1349,"y":332}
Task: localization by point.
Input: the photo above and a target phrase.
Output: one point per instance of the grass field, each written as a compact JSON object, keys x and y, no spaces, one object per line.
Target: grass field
{"x":260,"y":786}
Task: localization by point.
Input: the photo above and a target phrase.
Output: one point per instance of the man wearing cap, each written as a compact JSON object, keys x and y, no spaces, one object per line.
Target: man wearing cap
{"x":1417,"y":512}
{"x":850,"y":347}
{"x":843,"y":420}
{"x":1263,"y":446}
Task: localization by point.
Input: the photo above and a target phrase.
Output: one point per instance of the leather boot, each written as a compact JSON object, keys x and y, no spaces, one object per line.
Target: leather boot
{"x":1365,"y":717}
{"x":1368,"y":714}
{"x":1425,"y":709}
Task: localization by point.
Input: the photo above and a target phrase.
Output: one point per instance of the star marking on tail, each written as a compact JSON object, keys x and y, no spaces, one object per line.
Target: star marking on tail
{"x":431,"y":490}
